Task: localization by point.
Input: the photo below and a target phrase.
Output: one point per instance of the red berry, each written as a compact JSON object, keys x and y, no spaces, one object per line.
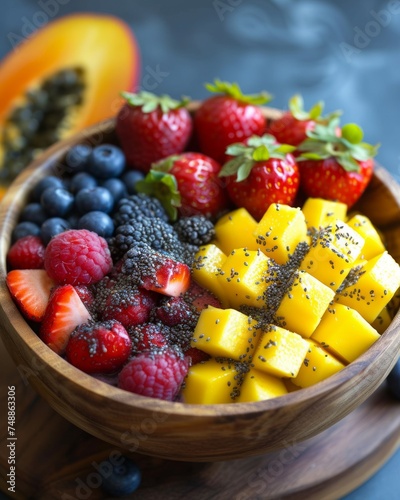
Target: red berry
{"x":227,"y":118}
{"x":30,"y":288}
{"x":86,"y":296}
{"x":77,"y":257}
{"x":200,"y":298}
{"x":173,"y":311}
{"x":65,"y":311}
{"x":148,"y":336}
{"x":26,"y":253}
{"x":99,"y":347}
{"x":289,"y":130}
{"x":156,"y":374}
{"x":260,"y":173}
{"x":196,"y":355}
{"x":150,"y":128}
{"x":125,"y":302}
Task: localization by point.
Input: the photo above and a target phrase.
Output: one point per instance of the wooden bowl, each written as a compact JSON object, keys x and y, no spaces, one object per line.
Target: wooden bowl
{"x":180,"y":431}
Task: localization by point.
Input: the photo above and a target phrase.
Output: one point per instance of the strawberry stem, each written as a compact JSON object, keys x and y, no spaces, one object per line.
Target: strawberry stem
{"x":233,"y":90}
{"x":149,"y":102}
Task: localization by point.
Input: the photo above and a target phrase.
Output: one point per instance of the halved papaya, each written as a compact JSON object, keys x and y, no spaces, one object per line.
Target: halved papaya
{"x":63,"y":78}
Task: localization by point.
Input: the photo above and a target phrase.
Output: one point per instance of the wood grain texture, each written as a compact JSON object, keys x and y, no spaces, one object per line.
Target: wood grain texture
{"x":175,"y":430}
{"x":54,"y":458}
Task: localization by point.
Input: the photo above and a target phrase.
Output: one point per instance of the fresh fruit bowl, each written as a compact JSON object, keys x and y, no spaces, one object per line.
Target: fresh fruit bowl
{"x":175,"y":430}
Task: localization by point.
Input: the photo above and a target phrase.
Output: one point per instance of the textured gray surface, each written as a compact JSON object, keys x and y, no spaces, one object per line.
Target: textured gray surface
{"x":345,"y":53}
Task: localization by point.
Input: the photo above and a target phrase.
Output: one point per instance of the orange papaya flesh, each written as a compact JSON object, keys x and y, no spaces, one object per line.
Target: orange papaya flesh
{"x":67,"y":76}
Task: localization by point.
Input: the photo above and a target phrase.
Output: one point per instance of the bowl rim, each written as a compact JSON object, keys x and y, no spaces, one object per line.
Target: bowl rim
{"x":95,"y":387}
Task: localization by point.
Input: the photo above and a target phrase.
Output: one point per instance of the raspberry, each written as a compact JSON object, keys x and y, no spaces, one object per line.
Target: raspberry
{"x":77,"y":257}
{"x":156,"y":374}
{"x":27,"y":253}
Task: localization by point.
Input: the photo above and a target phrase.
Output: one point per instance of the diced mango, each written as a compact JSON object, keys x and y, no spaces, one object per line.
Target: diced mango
{"x":280,"y":352}
{"x":235,"y":230}
{"x":280,"y":230}
{"x":373,"y":244}
{"x":382,"y":321}
{"x":319,"y":213}
{"x":318,"y":365}
{"x":207,"y":265}
{"x":376,"y":284}
{"x":210,"y":382}
{"x":225,"y":333}
{"x":259,"y":386}
{"x":243,"y":277}
{"x":332,"y":254}
{"x":290,"y":386}
{"x":304,"y":304}
{"x":344,"y":332}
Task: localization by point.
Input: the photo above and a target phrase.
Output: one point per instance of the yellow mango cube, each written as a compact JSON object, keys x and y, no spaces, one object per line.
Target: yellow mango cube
{"x":211,"y":382}
{"x":375,"y":285}
{"x":280,"y":230}
{"x":206,"y":267}
{"x":373,"y":244}
{"x":318,"y":365}
{"x":344,"y":332}
{"x":280,"y":352}
{"x":382,"y":321}
{"x":235,"y":230}
{"x":243,"y":277}
{"x":332,"y":254}
{"x":259,"y":386}
{"x":225,"y":333}
{"x":320,"y":213}
{"x":304,"y":304}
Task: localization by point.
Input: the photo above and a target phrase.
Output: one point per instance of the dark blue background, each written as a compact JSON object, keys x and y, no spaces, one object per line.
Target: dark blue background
{"x":345,"y":53}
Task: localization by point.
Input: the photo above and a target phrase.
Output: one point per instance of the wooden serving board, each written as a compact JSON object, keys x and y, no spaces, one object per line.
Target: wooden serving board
{"x":54,"y":458}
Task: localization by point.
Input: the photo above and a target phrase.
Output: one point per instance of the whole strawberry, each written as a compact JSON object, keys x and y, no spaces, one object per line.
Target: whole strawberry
{"x":151,"y":127}
{"x":292,"y":127}
{"x":228,"y":117}
{"x":261,"y":172}
{"x":187,"y":184}
{"x":336,"y":166}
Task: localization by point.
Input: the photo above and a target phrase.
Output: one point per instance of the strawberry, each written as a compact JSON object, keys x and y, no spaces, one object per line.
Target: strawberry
{"x":27,"y":253}
{"x":187,"y":185}
{"x":150,"y":128}
{"x":64,"y":312}
{"x":99,"y":347}
{"x":336,"y":166}
{"x":200,"y":298}
{"x":261,"y":172}
{"x":156,"y":271}
{"x":228,"y":117}
{"x":30,"y":288}
{"x":292,"y":127}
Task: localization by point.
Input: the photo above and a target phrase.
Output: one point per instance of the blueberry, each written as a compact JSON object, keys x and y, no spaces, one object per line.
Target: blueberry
{"x":98,"y":222}
{"x":77,"y":157}
{"x":34,"y":212}
{"x":130,"y":179}
{"x":25,"y":228}
{"x":393,"y":381}
{"x":106,"y":161}
{"x":73,"y":220}
{"x":57,"y":201}
{"x":46,"y":182}
{"x":53,"y":226}
{"x":82,"y":180}
{"x":97,"y":198}
{"x":124,"y":479}
{"x":116,"y":187}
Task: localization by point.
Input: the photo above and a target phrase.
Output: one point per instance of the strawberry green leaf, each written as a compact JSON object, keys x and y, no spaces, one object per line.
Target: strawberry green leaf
{"x":244,"y":170}
{"x":164,"y":187}
{"x":231,"y":167}
{"x":149,"y":102}
{"x":348,"y":163}
{"x":237,"y":149}
{"x":233,"y":90}
{"x":261,"y":153}
{"x":352,"y":133}
{"x":296,"y":107}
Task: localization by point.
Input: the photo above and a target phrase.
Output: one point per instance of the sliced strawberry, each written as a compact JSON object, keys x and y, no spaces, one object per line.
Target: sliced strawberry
{"x":30,"y":288}
{"x":64,"y":313}
{"x":157,"y":272}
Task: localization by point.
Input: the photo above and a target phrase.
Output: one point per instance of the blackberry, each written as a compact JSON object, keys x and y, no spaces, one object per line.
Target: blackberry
{"x":137,"y":206}
{"x":155,"y":233}
{"x":196,"y":230}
